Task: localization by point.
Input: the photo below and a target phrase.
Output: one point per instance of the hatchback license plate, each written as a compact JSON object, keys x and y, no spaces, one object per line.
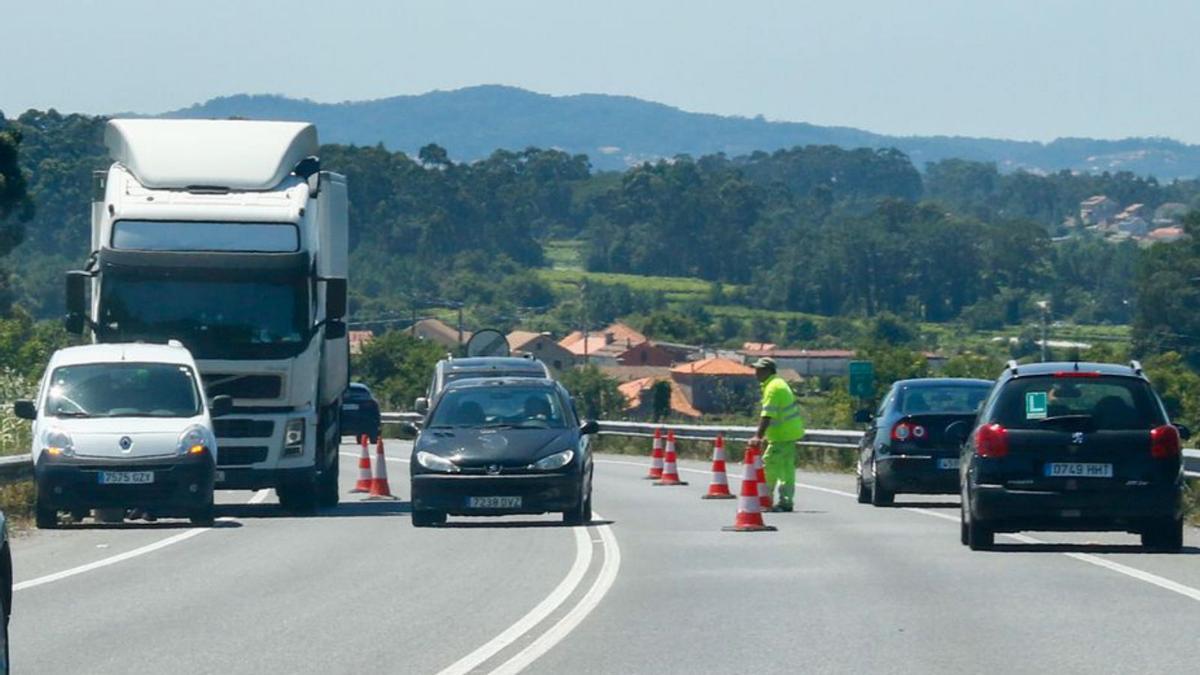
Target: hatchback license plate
{"x":493,"y":502}
{"x":1079,"y":470}
{"x":126,"y":477}
{"x":948,"y":463}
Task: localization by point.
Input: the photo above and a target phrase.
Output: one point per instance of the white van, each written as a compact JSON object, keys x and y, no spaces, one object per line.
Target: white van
{"x":123,"y":426}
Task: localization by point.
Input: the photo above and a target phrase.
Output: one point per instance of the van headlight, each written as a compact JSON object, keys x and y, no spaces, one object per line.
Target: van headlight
{"x":193,"y":441}
{"x":57,"y":443}
{"x":293,"y":437}
{"x":556,"y":461}
{"x":436,"y":463}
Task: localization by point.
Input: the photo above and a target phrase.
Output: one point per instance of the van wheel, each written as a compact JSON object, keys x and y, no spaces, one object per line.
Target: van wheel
{"x":205,"y":516}
{"x":1164,"y":536}
{"x":45,"y":517}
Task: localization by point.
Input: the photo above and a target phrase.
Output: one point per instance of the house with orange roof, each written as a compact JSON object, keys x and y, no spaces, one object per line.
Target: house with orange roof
{"x":542,"y":347}
{"x":715,"y":385}
{"x":639,"y":401}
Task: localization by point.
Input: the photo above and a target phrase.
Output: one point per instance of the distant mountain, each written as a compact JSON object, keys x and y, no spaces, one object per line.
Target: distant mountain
{"x":619,"y":131}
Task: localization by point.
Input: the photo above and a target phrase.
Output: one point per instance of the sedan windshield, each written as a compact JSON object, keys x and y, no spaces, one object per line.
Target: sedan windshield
{"x":500,"y":407}
{"x":123,"y":390}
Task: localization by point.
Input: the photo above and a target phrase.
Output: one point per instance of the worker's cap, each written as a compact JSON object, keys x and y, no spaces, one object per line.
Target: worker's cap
{"x":764,"y":363}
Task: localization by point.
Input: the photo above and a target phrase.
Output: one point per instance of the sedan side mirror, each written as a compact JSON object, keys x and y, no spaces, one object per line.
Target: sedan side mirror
{"x":589,"y":427}
{"x":862,"y":417}
{"x":958,"y":432}
{"x":1184,"y":432}
{"x":220,"y":406}
{"x":421,"y":405}
{"x":25,"y":410}
{"x":408,"y":430}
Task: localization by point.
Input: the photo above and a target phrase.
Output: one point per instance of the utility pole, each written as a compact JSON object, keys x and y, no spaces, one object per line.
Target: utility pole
{"x":1045,"y":305}
{"x":584,"y":315}
{"x":460,"y":324}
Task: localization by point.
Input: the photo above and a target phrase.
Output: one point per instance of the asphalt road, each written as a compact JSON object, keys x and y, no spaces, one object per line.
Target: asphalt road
{"x":655,"y":587}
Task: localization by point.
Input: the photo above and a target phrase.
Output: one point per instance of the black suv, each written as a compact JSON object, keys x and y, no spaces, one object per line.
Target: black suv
{"x":1073,"y":447}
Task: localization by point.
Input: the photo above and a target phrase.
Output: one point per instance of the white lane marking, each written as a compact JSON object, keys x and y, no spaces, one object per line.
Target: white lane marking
{"x":258,"y":498}
{"x":390,"y":459}
{"x":1132,"y":572}
{"x":583,"y":560}
{"x":560,"y":630}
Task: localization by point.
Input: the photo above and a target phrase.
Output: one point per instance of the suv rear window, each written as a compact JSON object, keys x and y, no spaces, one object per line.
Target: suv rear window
{"x":1103,"y":403}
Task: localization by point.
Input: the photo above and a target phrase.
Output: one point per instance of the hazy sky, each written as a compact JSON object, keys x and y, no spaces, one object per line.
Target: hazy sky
{"x":1034,"y":69}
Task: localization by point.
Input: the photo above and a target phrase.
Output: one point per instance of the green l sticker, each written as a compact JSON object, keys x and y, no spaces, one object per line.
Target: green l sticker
{"x":1035,"y":405}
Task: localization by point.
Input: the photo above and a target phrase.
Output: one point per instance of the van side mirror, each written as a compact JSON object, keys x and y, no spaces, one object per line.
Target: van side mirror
{"x":1184,"y":432}
{"x":589,"y":427}
{"x":76,"y":297}
{"x":25,"y":410}
{"x":957,"y":432}
{"x":335,"y":299}
{"x":220,"y":406}
{"x":421,"y":405}
{"x":862,"y":416}
{"x":335,"y":330}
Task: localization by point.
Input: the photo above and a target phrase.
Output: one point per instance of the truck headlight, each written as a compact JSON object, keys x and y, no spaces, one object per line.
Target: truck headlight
{"x":293,"y":437}
{"x":193,"y":441}
{"x":556,"y":461}
{"x":57,"y":443}
{"x":435,"y":463}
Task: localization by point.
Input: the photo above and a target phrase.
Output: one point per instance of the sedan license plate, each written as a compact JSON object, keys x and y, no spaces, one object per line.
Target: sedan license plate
{"x":126,"y":477}
{"x":493,"y":502}
{"x":349,"y":406}
{"x":948,"y":463}
{"x":1079,"y":470}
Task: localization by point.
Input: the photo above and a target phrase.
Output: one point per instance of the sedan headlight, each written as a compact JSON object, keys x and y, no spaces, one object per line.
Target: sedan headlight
{"x":193,"y":441}
{"x":293,"y":437}
{"x":57,"y":443}
{"x":556,"y":461}
{"x":436,"y":463}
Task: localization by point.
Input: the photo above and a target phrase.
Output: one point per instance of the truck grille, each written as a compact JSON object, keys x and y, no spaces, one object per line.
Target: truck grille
{"x":236,"y":456}
{"x":243,"y":428}
{"x":243,"y":386}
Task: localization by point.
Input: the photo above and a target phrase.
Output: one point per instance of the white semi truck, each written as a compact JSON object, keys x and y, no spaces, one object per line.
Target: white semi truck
{"x":227,"y":236}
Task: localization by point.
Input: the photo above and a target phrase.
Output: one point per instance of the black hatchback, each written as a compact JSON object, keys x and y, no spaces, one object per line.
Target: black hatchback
{"x":905,"y":448}
{"x":1073,"y":447}
{"x":499,"y":447}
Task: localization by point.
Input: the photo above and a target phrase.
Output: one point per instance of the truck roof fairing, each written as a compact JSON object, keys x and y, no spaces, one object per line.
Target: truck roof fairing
{"x":239,"y":155}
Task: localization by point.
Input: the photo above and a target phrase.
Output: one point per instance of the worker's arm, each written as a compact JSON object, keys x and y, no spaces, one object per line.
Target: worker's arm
{"x":763,"y":423}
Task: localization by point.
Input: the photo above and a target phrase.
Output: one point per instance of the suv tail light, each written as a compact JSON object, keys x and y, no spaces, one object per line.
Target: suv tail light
{"x":991,"y":440}
{"x":1164,"y":442}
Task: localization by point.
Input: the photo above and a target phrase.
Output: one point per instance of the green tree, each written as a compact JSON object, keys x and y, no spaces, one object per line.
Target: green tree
{"x":397,"y":367}
{"x":596,"y":395}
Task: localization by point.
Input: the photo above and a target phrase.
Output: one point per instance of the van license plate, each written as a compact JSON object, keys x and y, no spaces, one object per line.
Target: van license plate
{"x":1079,"y":470}
{"x":126,"y":477}
{"x":493,"y":502}
{"x":948,"y":463}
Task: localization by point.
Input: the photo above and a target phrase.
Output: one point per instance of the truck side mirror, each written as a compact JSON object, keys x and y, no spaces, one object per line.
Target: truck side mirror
{"x":76,"y":288}
{"x":335,"y":299}
{"x":220,"y":406}
{"x":25,"y":410}
{"x":335,"y":330}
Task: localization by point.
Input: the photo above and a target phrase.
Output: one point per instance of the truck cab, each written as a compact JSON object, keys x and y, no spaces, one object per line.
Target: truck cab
{"x":227,"y":236}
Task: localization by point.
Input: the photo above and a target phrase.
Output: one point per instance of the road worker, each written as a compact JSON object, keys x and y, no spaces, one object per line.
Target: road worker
{"x":780,"y":426}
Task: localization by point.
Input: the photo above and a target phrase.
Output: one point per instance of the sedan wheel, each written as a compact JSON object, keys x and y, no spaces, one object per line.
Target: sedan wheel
{"x":864,"y":496}
{"x":428,"y":518}
{"x":879,"y":495}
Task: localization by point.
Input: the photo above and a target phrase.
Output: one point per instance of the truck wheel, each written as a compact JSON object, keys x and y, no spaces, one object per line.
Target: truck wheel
{"x":327,"y":485}
{"x":45,"y":517}
{"x":298,"y":496}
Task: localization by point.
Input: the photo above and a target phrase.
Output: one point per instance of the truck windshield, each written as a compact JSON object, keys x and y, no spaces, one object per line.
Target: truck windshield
{"x":123,"y":390}
{"x":188,"y":235}
{"x":253,"y":319}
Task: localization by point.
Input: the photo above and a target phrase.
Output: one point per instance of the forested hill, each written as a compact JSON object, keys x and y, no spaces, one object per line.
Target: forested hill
{"x":618,"y":131}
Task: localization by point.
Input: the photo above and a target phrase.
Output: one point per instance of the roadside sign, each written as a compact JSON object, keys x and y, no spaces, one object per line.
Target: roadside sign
{"x":488,"y":342}
{"x":862,"y":379}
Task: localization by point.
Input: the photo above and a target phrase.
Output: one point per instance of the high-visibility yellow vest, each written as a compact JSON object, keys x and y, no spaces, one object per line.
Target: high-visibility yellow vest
{"x":779,"y":403}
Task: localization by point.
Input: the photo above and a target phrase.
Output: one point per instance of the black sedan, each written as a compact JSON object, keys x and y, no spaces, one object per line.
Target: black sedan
{"x":360,"y":412}
{"x":906,"y":447}
{"x":499,"y":447}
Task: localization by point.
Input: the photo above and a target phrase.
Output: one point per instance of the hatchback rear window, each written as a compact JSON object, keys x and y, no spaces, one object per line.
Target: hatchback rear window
{"x":1100,"y":403}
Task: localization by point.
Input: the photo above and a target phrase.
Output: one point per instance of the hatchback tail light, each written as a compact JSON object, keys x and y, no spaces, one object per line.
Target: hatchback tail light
{"x":1164,"y":442}
{"x":991,"y":440}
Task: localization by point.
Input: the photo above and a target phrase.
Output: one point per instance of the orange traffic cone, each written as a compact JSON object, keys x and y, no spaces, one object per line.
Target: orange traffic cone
{"x":379,"y":485}
{"x":364,"y":468}
{"x":719,"y":487}
{"x":670,"y":474}
{"x":656,"y":456}
{"x":760,"y":475}
{"x":749,"y":515}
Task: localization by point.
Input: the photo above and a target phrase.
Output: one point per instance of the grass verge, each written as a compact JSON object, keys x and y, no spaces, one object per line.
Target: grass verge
{"x":16,"y":500}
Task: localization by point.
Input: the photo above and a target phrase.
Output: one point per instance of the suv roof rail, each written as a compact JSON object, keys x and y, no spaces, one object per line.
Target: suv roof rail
{"x":1136,"y":367}
{"x":1011,"y":365}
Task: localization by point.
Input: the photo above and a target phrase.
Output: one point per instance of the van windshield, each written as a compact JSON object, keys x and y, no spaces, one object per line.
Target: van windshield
{"x":123,"y":390}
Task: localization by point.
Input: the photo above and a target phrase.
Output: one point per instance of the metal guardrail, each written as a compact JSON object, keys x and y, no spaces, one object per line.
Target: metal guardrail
{"x":15,"y":468}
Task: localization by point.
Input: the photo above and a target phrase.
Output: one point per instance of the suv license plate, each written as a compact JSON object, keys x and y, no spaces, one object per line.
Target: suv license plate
{"x":493,"y":502}
{"x":948,"y":463}
{"x":126,"y":477}
{"x":1079,"y":470}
